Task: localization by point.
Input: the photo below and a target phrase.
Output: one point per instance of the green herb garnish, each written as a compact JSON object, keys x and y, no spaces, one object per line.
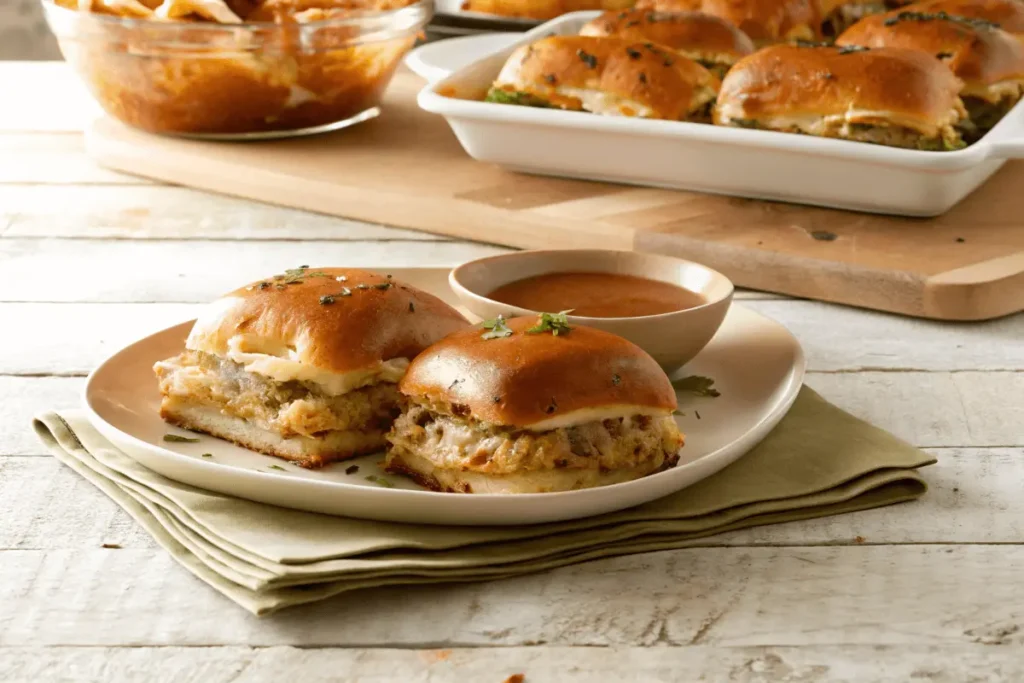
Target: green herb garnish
{"x":824,"y":236}
{"x":351,"y":469}
{"x":696,"y":384}
{"x":745,"y":123}
{"x":383,"y":286}
{"x":380,"y":481}
{"x":496,"y":329}
{"x":633,"y":54}
{"x":587,"y":58}
{"x":555,"y":323}
{"x":207,"y":455}
{"x":523,"y":99}
{"x":616,"y":380}
{"x":277,"y":467}
{"x":362,"y":286}
{"x":174,"y":438}
{"x":940,"y":16}
{"x":850,"y":49}
{"x":326,"y":300}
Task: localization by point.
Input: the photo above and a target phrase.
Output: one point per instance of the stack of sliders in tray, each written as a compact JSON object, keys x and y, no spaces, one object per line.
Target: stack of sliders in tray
{"x":933,"y":76}
{"x":320,"y":365}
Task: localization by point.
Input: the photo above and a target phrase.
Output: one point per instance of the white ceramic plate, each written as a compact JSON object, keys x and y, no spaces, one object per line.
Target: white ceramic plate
{"x":699,"y":157}
{"x":756,"y":363}
{"x":437,"y":60}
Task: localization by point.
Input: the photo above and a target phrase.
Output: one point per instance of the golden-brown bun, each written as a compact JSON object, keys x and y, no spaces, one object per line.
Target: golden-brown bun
{"x":835,"y":16}
{"x":1009,"y":14}
{"x":765,"y":21}
{"x":539,"y":381}
{"x":541,"y":9}
{"x":609,"y":76}
{"x":712,"y":41}
{"x":888,"y":86}
{"x":303,"y":318}
{"x":980,"y":55}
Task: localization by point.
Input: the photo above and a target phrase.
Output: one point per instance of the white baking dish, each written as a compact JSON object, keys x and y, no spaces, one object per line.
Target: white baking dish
{"x":701,"y":157}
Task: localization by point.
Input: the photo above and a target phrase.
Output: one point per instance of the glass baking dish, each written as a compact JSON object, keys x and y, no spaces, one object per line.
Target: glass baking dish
{"x":238,"y":81}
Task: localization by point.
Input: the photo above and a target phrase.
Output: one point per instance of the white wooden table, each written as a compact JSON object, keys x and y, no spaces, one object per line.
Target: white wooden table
{"x":90,"y":259}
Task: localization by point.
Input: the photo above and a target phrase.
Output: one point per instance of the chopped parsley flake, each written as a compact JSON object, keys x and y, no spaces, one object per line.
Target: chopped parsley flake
{"x":174,"y":438}
{"x":555,"y":323}
{"x":496,"y":328}
{"x":696,"y":384}
{"x":380,"y":481}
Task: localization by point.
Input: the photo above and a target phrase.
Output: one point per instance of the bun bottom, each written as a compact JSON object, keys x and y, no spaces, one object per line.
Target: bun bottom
{"x":302,"y":450}
{"x":424,"y":472}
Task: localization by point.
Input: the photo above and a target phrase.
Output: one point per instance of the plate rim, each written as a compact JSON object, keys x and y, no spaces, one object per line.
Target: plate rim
{"x":754,"y":434}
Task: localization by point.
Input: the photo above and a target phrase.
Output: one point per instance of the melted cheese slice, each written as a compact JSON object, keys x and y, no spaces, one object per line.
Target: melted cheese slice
{"x":283,"y":366}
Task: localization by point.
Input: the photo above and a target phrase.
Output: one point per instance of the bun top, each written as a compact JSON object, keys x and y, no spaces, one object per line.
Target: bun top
{"x":337,"y":326}
{"x":538,"y":381}
{"x":886,"y":86}
{"x":692,"y":34}
{"x":1009,"y":14}
{"x":765,"y":21}
{"x":978,"y":53}
{"x":609,"y":76}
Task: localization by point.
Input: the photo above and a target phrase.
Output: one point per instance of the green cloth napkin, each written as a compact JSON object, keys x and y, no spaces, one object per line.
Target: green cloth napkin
{"x":819,"y":461}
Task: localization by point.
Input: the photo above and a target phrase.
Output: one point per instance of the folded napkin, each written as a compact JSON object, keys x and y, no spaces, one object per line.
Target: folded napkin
{"x":818,"y":461}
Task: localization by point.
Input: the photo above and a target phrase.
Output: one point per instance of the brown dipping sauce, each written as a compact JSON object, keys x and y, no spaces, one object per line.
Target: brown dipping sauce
{"x":597,"y":295}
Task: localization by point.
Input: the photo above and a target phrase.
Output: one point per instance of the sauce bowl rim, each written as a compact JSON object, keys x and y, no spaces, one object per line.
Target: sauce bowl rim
{"x":454,"y":281}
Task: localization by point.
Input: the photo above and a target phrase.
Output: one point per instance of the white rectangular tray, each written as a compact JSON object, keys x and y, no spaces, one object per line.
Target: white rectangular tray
{"x":702,"y":157}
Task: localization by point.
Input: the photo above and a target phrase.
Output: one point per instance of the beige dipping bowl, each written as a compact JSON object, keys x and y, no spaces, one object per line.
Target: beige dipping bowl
{"x":672,"y":339}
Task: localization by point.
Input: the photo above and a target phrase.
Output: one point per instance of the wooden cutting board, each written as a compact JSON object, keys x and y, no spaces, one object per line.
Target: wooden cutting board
{"x":407,"y":169}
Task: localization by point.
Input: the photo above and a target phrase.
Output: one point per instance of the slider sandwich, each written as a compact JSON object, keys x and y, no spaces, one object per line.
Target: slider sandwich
{"x":989,"y":61}
{"x":888,"y":96}
{"x":1008,"y":14}
{"x":303,"y":365}
{"x":608,"y":76}
{"x":765,"y":21}
{"x":835,"y":16}
{"x":532,"y":405}
{"x":710,"y":41}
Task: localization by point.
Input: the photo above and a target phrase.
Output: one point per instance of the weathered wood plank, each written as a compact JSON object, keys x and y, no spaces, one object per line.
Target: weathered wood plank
{"x":51,"y":99}
{"x":97,"y":331}
{"x":185,"y":271}
{"x":54,"y":159}
{"x":876,"y":341}
{"x":974,"y":497}
{"x":863,"y":595}
{"x":172,"y":213}
{"x":817,"y":664}
{"x":838,"y":338}
{"x":23,"y":397}
{"x":197,"y":271}
{"x":933,"y":409}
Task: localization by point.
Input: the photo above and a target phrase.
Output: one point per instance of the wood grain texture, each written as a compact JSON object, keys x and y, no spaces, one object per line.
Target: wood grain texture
{"x":141,"y":270}
{"x":171,"y":213}
{"x":407,"y":169}
{"x":753,"y":596}
{"x":974,"y":663}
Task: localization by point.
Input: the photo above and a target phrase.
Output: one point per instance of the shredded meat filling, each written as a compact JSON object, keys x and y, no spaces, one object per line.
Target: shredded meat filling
{"x":288,"y":408}
{"x":460,"y":443}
